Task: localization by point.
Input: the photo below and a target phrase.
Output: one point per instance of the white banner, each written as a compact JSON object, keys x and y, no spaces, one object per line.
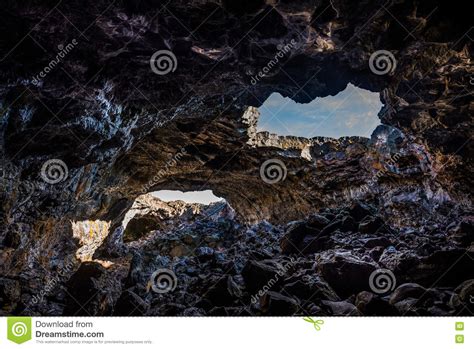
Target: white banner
{"x":220,"y":332}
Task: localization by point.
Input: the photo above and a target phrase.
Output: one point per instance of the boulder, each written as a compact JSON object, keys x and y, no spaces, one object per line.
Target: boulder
{"x":273,"y":303}
{"x":370,"y":224}
{"x":257,"y":274}
{"x":312,"y":244}
{"x":331,"y":228}
{"x":341,"y":308}
{"x":359,"y":210}
{"x":375,"y":242}
{"x":463,"y":296}
{"x":371,"y":304}
{"x":408,"y":290}
{"x":295,"y":233}
{"x":348,"y":224}
{"x":463,"y":233}
{"x":130,"y":304}
{"x":346,"y":274}
{"x":311,"y":289}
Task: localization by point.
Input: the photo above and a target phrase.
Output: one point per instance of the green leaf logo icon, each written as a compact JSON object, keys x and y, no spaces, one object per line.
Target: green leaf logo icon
{"x":19,"y":329}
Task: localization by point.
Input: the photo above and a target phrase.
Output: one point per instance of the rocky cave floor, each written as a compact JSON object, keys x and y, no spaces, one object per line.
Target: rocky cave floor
{"x":318,"y":266}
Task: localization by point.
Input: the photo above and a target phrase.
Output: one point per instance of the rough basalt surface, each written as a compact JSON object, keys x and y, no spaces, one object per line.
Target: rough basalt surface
{"x":123,"y":131}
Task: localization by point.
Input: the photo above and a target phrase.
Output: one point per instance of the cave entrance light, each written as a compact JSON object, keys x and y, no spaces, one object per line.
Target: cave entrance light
{"x":352,"y":112}
{"x":204,"y":197}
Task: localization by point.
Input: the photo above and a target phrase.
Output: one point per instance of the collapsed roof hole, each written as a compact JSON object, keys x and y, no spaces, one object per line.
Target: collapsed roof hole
{"x":204,"y":197}
{"x":165,"y":209}
{"x":352,"y":112}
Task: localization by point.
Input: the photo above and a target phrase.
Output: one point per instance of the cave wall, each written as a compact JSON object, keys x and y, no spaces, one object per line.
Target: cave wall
{"x":121,"y":130}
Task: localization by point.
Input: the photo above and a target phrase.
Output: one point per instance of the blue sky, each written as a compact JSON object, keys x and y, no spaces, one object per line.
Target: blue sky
{"x":352,"y":112}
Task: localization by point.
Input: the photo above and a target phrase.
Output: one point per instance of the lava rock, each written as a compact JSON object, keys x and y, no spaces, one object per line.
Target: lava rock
{"x":331,"y":228}
{"x":311,"y":288}
{"x":258,"y":274}
{"x":130,"y":304}
{"x":348,"y":224}
{"x":376,"y":253}
{"x":312,"y":244}
{"x":222,"y":291}
{"x":358,"y":211}
{"x":295,"y":233}
{"x":463,"y":233}
{"x":193,"y":311}
{"x":273,"y":303}
{"x":342,"y":308}
{"x":408,"y":290}
{"x":317,"y":221}
{"x":346,"y":274}
{"x":204,"y":254}
{"x":463,"y":296}
{"x":445,"y":268}
{"x":375,"y":242}
{"x":370,"y":304}
{"x":407,"y":307}
{"x":370,"y":225}
{"x":82,"y":288}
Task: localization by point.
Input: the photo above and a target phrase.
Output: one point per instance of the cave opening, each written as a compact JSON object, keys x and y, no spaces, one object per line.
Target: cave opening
{"x":351,"y":112}
{"x":165,"y":210}
{"x":204,"y":197}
